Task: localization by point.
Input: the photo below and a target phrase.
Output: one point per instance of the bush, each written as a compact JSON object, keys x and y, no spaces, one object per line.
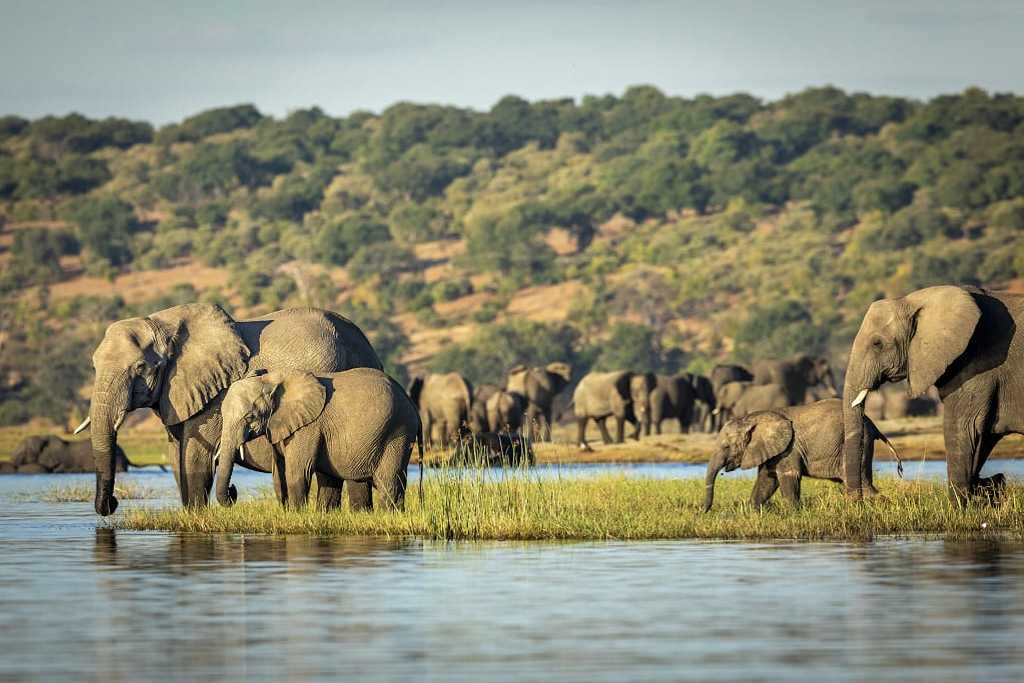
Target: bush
{"x":36,"y":252}
{"x":337,"y":241}
{"x":629,"y":347}
{"x":210,"y":122}
{"x":778,"y":331}
{"x":105,"y":227}
{"x":383,"y":259}
{"x":448,"y":290}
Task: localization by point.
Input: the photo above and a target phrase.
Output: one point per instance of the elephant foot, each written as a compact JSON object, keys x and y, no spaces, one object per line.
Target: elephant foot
{"x":991,"y":489}
{"x":227,"y":498}
{"x":854,"y":496}
{"x":871,"y":493}
{"x":585,"y":448}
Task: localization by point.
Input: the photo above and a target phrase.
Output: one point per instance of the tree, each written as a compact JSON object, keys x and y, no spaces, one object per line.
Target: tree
{"x":105,"y":226}
{"x":629,"y":347}
{"x":337,"y":241}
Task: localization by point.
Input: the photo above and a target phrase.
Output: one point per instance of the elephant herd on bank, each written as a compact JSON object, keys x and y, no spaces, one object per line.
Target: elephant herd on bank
{"x":300,"y":393}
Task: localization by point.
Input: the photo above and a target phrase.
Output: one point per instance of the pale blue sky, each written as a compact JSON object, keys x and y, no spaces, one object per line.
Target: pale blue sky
{"x":164,"y":60}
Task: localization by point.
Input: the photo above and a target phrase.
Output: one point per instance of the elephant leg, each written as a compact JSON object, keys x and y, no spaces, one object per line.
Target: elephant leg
{"x":278,"y":473}
{"x":581,"y":434}
{"x":962,"y":439}
{"x":546,"y":414}
{"x":360,"y":495}
{"x":297,"y":473}
{"x":328,"y":491}
{"x":867,"y":480}
{"x":602,"y":425}
{"x":990,"y":488}
{"x":790,"y":485}
{"x":764,"y":487}
{"x":620,"y":429}
{"x":684,"y":426}
{"x":428,"y":430}
{"x":657,"y":426}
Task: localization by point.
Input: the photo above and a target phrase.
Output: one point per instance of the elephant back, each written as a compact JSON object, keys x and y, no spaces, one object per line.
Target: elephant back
{"x":307,"y":340}
{"x":601,"y":393}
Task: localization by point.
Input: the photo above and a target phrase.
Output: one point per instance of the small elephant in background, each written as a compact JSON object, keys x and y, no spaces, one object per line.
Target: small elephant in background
{"x":446,"y":400}
{"x":623,"y":395}
{"x":722,"y":375}
{"x":737,"y":399}
{"x":506,"y":411}
{"x":787,"y":444}
{"x":52,"y":454}
{"x":478,"y":421}
{"x":494,"y":449}
{"x":796,"y":376}
{"x":673,"y":397}
{"x":704,"y":394}
{"x":352,"y":426}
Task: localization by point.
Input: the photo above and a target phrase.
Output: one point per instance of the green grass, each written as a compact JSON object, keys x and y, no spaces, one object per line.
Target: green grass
{"x":484,"y":506}
{"x":84,"y":493}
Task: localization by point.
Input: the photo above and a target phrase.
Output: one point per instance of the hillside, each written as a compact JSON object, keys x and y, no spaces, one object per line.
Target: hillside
{"x":642,"y":231}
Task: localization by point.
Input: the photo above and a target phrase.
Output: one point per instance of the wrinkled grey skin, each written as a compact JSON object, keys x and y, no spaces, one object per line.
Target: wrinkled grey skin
{"x":704,"y":393}
{"x":623,"y":395}
{"x":891,"y":402}
{"x":720,"y":376}
{"x":444,"y":400}
{"x":506,"y":411}
{"x":478,"y":421}
{"x":352,"y":426}
{"x":539,"y":386}
{"x":785,"y":445}
{"x":180,"y":360}
{"x":964,"y":341}
{"x":54,"y":454}
{"x":796,"y":375}
{"x":737,"y":399}
{"x":673,"y":398}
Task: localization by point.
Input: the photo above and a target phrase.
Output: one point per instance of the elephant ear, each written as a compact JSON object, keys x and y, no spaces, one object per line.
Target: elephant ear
{"x":563,"y":370}
{"x":298,"y":400}
{"x":415,"y":389}
{"x":205,"y":355}
{"x":944,"y":322}
{"x":770,"y":435}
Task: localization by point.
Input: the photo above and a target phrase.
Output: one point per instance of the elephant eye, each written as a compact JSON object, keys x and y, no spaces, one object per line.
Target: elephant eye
{"x":877,"y":344}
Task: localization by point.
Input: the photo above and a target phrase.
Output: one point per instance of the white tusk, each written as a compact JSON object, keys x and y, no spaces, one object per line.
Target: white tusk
{"x":241,"y":452}
{"x":860,"y":398}
{"x":85,"y":425}
{"x":716,"y":411}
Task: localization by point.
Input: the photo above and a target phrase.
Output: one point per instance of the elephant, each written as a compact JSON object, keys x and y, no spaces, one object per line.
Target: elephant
{"x":962,"y":340}
{"x":179,"y":361}
{"x":787,"y":444}
{"x":540,"y":386}
{"x":623,"y":395}
{"x":737,"y":399}
{"x":478,"y":421}
{"x":891,"y":402}
{"x":54,"y":454}
{"x":796,"y":375}
{"x":494,"y":449}
{"x":356,"y":425}
{"x":673,"y":397}
{"x":704,"y":393}
{"x":720,"y":376}
{"x":506,"y":411}
{"x":445,"y":399}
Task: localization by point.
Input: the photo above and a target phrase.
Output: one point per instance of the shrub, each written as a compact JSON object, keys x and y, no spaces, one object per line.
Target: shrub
{"x":105,"y":227}
{"x":337,"y":241}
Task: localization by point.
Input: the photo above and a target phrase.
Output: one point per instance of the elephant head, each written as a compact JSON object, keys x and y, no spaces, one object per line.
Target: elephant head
{"x":917,"y":338}
{"x":559,"y":374}
{"x":641,"y":385}
{"x":276,"y":404}
{"x":174,"y":361}
{"x":819,"y":373}
{"x":747,"y":442}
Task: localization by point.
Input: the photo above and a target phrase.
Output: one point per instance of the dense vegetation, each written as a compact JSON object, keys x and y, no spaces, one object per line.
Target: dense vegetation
{"x":692,"y":230}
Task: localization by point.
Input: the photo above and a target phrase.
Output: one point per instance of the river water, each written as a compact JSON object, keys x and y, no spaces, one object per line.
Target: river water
{"x":79,"y":602}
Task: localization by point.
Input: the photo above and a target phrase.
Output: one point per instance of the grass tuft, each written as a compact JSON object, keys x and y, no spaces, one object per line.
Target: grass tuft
{"x":460,"y":505}
{"x":84,"y":493}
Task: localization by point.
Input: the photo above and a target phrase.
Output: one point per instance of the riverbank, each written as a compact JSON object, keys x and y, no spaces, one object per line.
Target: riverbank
{"x":487,"y":506}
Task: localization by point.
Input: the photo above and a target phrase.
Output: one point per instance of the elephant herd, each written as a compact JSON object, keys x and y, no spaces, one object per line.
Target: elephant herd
{"x":301,"y":393}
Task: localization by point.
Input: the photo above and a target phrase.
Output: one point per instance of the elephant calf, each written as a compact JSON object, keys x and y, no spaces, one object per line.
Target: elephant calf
{"x":358,"y":425}
{"x":44,"y":454}
{"x":787,"y":444}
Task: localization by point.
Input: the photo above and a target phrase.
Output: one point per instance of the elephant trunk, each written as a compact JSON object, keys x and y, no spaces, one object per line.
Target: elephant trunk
{"x":715,"y":466}
{"x":226,"y":492}
{"x":855,"y":392}
{"x":106,"y":411}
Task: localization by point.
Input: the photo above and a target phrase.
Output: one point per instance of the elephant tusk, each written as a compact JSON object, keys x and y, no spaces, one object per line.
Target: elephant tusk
{"x":241,"y":452}
{"x":85,"y":425}
{"x":860,"y":398}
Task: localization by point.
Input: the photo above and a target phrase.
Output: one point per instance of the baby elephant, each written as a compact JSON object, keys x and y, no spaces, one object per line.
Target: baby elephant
{"x":786,"y":444}
{"x":357,"y":425}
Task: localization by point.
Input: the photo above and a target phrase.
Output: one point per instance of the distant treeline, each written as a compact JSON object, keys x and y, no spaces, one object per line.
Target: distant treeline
{"x":768,"y":225}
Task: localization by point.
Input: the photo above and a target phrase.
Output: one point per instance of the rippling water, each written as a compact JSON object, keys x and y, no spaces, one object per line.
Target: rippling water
{"x":79,"y":602}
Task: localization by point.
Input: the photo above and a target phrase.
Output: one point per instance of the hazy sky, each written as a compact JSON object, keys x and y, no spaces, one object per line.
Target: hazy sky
{"x":164,"y":60}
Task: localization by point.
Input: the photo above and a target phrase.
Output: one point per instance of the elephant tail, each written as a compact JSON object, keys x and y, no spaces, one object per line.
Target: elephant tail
{"x":895,"y":453}
{"x":423,"y":465}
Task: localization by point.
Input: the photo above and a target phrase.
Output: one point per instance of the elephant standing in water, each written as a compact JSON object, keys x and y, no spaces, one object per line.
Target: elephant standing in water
{"x":622,"y":395}
{"x":357,"y":425}
{"x":964,"y":341}
{"x":539,"y":386}
{"x":180,"y":360}
{"x":796,"y":375}
{"x":787,"y":444}
{"x":445,"y":399}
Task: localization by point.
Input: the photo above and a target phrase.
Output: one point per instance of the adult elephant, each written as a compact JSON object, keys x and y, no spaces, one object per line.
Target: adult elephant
{"x":622,"y":395}
{"x":704,"y":394}
{"x":721,"y":375}
{"x":796,"y":375}
{"x":673,"y":397}
{"x":540,"y":386}
{"x":444,"y":399}
{"x":738,"y":399}
{"x":55,"y":454}
{"x":478,"y":421}
{"x":180,"y":360}
{"x":967,"y":343}
{"x":506,"y":411}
